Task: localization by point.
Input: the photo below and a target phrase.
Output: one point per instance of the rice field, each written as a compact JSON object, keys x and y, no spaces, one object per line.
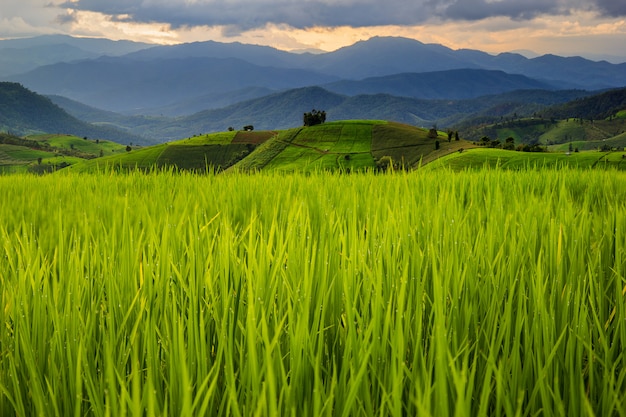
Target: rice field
{"x":482,"y":293}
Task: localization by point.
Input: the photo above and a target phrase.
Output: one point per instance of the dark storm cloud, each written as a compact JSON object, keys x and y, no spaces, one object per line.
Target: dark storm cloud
{"x":612,"y":8}
{"x":248,"y":14}
{"x":515,"y":9}
{"x":254,"y":13}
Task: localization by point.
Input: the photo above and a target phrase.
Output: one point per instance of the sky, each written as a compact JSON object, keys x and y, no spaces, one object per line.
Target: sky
{"x":595,"y":29}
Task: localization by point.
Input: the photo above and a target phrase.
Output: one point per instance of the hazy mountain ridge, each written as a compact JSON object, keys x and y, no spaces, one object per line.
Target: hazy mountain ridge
{"x":22,"y":55}
{"x":209,"y":86}
{"x":451,"y":84}
{"x":25,"y":112}
{"x":128,"y":85}
{"x":180,"y":79}
{"x":285,"y":109}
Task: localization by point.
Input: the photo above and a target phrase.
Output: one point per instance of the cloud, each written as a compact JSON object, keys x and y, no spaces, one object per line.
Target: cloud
{"x":241,"y":15}
{"x":248,"y":14}
{"x":327,"y":24}
{"x":27,"y":17}
{"x":514,"y":9}
{"x":612,"y":8}
{"x":66,"y":18}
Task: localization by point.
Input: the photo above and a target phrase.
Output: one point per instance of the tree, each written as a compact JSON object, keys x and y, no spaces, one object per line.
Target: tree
{"x":314,"y":117}
{"x":509,"y":143}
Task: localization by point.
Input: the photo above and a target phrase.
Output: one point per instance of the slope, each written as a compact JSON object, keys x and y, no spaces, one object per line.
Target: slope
{"x":587,"y":123}
{"x":502,"y":159}
{"x":200,"y":153}
{"x":23,"y":112}
{"x":342,"y":145}
{"x":46,"y":153}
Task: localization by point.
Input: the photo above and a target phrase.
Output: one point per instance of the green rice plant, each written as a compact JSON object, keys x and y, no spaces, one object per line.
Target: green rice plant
{"x":488,"y":293}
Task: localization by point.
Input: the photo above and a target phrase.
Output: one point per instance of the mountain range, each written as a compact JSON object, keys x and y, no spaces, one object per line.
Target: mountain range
{"x":285,"y":109}
{"x":184,"y":79}
{"x":22,"y":55}
{"x":146,"y":93}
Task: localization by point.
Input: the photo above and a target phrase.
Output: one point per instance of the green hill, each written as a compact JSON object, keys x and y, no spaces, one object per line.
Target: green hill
{"x":199,"y":153}
{"x":347,"y":146}
{"x":45,"y":153}
{"x":479,"y":158}
{"x":342,"y":145}
{"x":581,"y":132}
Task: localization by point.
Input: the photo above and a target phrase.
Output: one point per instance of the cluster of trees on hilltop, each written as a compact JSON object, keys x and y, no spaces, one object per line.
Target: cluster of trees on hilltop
{"x":314,"y":117}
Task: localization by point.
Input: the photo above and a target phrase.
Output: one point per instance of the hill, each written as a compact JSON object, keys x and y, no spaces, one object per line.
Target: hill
{"x":345,"y":146}
{"x":46,"y":153}
{"x":480,"y":158}
{"x":586,"y":123}
{"x":283,"y":110}
{"x":599,"y":106}
{"x":23,"y":112}
{"x":341,"y":145}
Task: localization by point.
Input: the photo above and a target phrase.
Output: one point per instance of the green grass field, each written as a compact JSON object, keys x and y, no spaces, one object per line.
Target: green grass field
{"x":199,"y":153}
{"x":47,"y":153}
{"x":497,"y":158}
{"x":15,"y":158}
{"x":353,"y":145}
{"x":88,"y":146}
{"x":485,"y":293}
{"x":331,"y":146}
{"x":584,"y":134}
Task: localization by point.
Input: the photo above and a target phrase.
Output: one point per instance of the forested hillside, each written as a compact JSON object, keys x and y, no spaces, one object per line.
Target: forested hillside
{"x":23,"y":112}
